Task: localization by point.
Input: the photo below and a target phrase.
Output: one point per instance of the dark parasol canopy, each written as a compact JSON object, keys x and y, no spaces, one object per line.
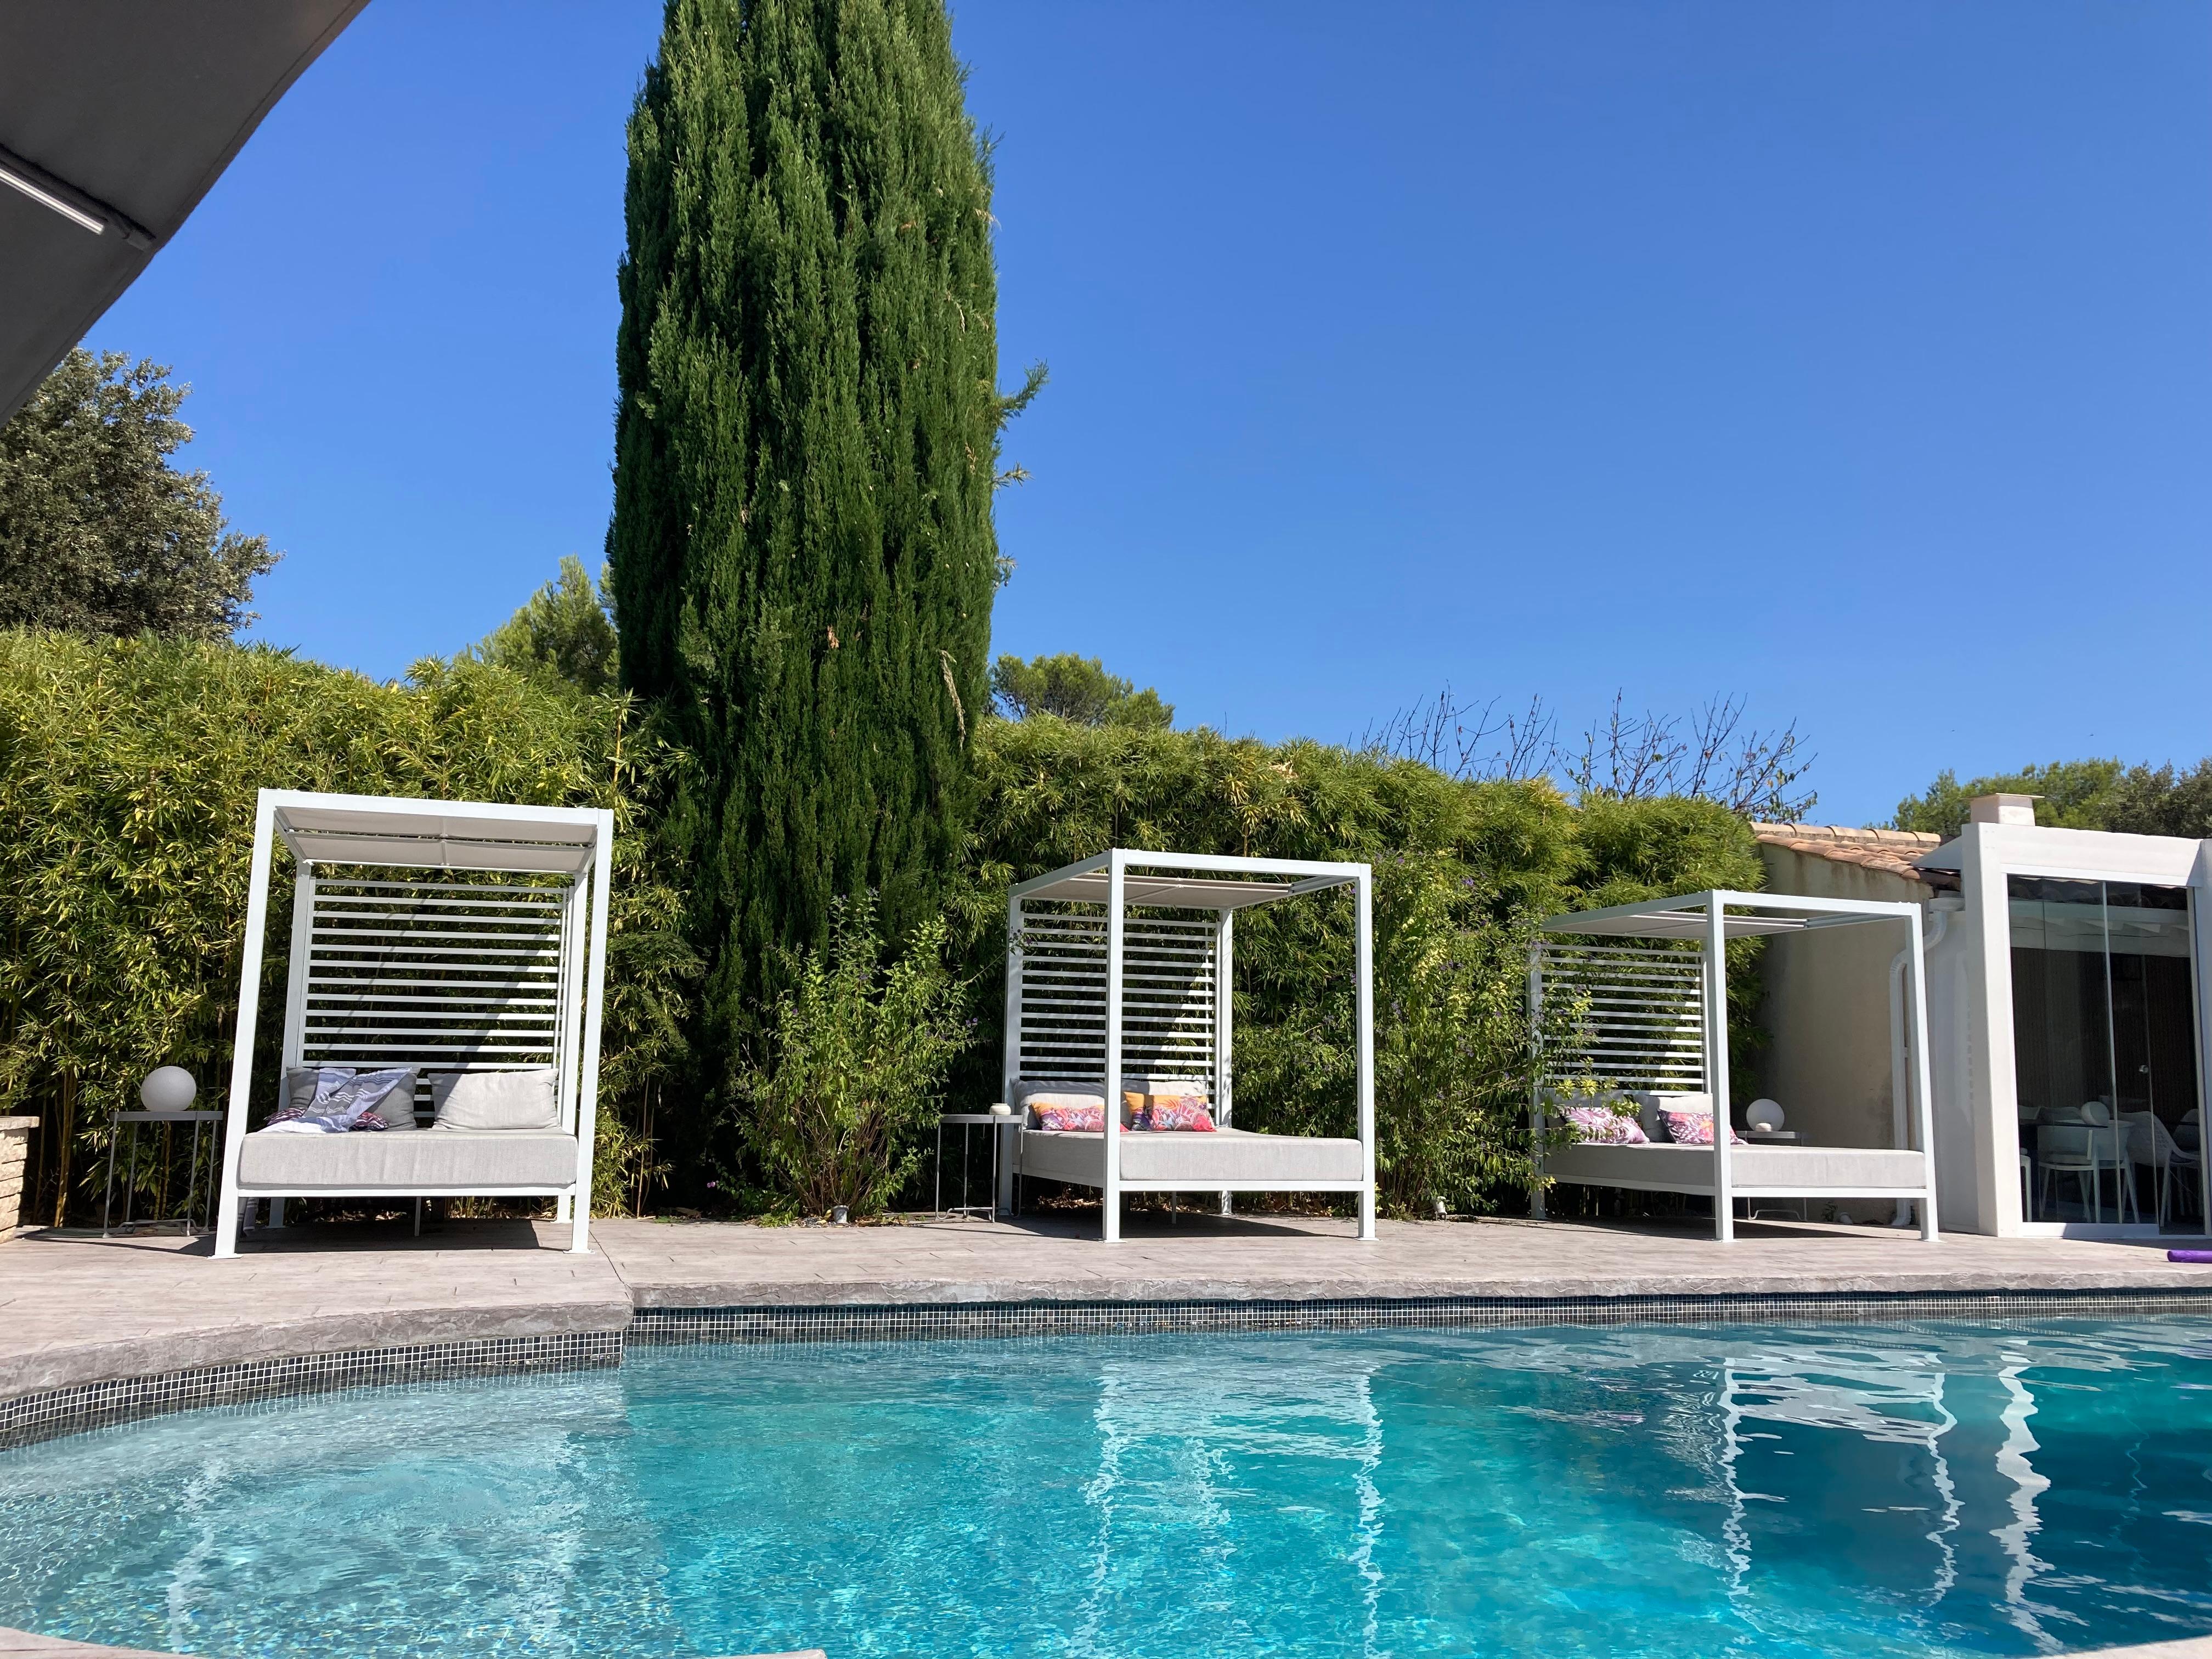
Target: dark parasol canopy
{"x":115,"y":117}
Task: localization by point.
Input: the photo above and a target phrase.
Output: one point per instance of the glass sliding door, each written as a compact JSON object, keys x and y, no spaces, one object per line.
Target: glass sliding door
{"x":2105,"y":1050}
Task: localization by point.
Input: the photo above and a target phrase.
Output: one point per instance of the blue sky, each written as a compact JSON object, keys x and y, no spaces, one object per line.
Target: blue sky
{"x":1854,"y":358}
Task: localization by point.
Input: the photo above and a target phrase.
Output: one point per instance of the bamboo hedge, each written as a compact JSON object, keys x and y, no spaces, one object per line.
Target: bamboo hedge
{"x":128,"y":773}
{"x":128,"y":770}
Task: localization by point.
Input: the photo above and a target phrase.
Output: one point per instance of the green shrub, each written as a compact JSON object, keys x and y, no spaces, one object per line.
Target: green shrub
{"x":856,"y":1059}
{"x":128,"y":772}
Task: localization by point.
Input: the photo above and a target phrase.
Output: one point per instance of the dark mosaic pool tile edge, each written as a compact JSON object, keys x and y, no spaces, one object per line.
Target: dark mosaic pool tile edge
{"x":671,"y":1327}
{"x":52,"y":1413}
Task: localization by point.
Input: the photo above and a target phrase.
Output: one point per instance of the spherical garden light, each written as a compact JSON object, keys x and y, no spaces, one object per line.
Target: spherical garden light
{"x":167,"y":1089}
{"x":1764,"y":1116}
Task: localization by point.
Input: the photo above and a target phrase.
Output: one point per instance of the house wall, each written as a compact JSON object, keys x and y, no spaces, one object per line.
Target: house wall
{"x":1826,"y":1006}
{"x":1970,"y":999}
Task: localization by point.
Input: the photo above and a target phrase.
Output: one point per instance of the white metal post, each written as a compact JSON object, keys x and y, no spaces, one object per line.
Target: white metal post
{"x":566,"y":1045}
{"x":298,"y":968}
{"x":1110,"y":1122}
{"x":294,"y":1051}
{"x":1225,"y":997}
{"x":1923,"y":1094}
{"x":2200,"y":972}
{"x":249,"y":1012}
{"x":1536,"y":1076}
{"x":588,"y":1104}
{"x":1364,"y":948}
{"x":1010,"y":1069}
{"x":1716,"y":1064}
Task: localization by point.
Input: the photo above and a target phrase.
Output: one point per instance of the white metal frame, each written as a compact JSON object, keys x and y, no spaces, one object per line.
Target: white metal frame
{"x":1207,"y":883}
{"x":492,"y":930}
{"x":1711,"y":918}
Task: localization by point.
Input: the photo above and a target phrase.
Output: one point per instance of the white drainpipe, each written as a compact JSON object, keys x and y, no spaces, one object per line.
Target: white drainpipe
{"x":1941,"y":908}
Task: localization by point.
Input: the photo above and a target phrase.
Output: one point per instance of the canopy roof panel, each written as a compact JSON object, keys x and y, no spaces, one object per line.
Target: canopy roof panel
{"x":115,"y":117}
{"x":428,"y":835}
{"x":1744,"y":915}
{"x":1189,"y":881}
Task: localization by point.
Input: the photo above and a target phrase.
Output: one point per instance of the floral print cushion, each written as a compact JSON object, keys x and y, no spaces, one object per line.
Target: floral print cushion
{"x":1692,"y":1128}
{"x":1052,"y":1115}
{"x":1162,"y":1112}
{"x":1601,"y":1126}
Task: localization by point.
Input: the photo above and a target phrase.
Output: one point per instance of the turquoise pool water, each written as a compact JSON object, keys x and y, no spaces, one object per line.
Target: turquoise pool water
{"x":1652,"y":1490}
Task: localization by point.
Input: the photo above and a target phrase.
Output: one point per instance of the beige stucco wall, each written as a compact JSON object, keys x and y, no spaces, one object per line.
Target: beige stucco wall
{"x":1826,"y":1006}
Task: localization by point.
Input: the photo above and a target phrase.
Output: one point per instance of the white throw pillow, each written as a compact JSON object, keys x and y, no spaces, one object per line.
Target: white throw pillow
{"x":497,"y":1100}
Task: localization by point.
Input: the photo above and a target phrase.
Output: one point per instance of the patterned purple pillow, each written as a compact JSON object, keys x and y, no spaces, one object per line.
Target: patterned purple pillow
{"x":1600,"y":1126}
{"x":1079,"y":1118}
{"x":1692,"y":1128}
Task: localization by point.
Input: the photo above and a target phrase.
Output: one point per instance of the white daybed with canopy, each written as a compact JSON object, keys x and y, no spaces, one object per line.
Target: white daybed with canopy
{"x":447,"y":937}
{"x":1649,"y":1019}
{"x":1094,"y":1002}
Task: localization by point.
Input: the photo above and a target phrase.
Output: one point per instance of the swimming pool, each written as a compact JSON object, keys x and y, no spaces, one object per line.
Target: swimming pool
{"x":1637,"y":1489}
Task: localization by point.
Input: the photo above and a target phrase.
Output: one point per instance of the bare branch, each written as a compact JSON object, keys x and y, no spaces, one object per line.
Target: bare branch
{"x":1711,"y":755}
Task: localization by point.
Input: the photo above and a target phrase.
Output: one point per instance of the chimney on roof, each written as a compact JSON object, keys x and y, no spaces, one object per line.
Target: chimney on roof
{"x":2002,"y":809}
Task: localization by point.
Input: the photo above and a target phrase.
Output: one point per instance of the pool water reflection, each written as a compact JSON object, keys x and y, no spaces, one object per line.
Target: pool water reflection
{"x":1651,"y":1490}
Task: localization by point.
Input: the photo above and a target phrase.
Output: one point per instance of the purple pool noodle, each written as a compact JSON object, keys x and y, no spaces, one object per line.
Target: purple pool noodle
{"x":2189,"y":1256}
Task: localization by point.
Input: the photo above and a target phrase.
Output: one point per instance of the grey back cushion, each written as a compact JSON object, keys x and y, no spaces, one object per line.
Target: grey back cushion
{"x":398,"y":1108}
{"x":300,"y":1086}
{"x":497,"y":1100}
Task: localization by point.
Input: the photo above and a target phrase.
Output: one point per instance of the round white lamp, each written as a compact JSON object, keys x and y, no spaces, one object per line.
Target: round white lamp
{"x":1763,"y":1116}
{"x":167,"y":1089}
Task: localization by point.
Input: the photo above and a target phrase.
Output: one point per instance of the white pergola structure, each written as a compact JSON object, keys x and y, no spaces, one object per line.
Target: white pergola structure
{"x":1653,"y":1016}
{"x":446,"y":936}
{"x":1092,"y":999}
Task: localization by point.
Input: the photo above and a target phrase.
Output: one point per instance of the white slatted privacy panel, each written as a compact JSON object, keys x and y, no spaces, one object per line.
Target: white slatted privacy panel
{"x":1641,"y":1019}
{"x":1168,"y":990}
{"x":444,"y":975}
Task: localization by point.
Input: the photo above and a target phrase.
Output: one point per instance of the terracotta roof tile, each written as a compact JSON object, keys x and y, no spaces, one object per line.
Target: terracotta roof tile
{"x":1891,"y":850}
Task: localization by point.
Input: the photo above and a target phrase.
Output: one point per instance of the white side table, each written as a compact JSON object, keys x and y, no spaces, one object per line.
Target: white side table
{"x":968,"y":1120}
{"x":200,"y":1121}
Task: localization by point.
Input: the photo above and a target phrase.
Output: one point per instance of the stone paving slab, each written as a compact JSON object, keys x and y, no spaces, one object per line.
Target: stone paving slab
{"x":1205,"y":1258}
{"x":74,"y":1309}
{"x":24,"y":1644}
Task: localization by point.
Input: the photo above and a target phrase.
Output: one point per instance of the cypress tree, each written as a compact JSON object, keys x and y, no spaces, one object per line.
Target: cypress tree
{"x":802,"y":554}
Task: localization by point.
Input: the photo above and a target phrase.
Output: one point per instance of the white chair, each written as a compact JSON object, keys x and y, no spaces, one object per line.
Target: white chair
{"x":2086,"y":1148}
{"x":2151,"y":1143}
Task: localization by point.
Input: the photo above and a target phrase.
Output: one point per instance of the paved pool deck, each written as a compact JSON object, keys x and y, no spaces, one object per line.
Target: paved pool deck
{"x":76,"y":1309}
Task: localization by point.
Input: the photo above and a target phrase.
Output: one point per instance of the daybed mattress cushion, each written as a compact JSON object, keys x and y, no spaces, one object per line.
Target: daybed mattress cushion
{"x":368,"y":1162}
{"x":1679,"y":1169}
{"x":1221,"y":1159}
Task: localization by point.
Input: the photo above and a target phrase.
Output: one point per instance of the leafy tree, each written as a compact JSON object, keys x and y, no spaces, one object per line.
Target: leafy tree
{"x":1076,"y":688}
{"x":99,"y":533}
{"x":2083,"y":794}
{"x":802,"y":552}
{"x":562,"y":630}
{"x":2163,"y":802}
